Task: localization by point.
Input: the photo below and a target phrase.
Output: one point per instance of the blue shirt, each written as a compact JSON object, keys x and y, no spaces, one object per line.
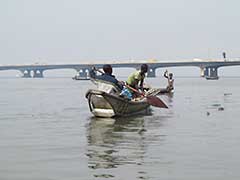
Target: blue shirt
{"x":106,"y":77}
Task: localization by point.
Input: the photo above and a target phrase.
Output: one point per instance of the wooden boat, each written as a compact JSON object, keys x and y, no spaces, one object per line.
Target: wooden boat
{"x":103,"y":104}
{"x":80,"y":78}
{"x":165,"y":91}
{"x":159,"y":91}
{"x":212,"y":77}
{"x":105,"y":101}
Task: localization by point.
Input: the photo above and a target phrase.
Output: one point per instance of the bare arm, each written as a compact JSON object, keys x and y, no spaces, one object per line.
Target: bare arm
{"x":166,"y":74}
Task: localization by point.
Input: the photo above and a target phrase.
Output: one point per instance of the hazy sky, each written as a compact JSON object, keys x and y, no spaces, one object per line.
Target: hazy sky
{"x":55,"y":31}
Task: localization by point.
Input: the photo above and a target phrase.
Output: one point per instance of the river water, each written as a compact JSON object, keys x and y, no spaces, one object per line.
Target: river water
{"x":48,"y":133}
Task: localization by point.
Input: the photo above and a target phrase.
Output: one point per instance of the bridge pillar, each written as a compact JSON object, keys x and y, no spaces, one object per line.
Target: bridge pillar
{"x":151,"y":72}
{"x":26,"y":74}
{"x":83,"y":73}
{"x":38,"y":74}
{"x":206,"y":72}
{"x":211,"y":72}
{"x":202,"y":72}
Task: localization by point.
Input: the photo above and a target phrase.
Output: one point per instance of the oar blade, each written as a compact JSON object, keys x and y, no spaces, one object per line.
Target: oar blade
{"x":155,"y":101}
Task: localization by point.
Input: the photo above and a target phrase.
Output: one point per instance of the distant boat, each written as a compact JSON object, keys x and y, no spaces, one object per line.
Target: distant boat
{"x":80,"y":78}
{"x":165,"y":91}
{"x":212,"y":77}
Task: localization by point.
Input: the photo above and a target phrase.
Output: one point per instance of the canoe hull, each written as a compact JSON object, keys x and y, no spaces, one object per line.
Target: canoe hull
{"x":102,"y":104}
{"x":165,"y":91}
{"x":212,"y":78}
{"x":80,"y":78}
{"x":159,"y":91}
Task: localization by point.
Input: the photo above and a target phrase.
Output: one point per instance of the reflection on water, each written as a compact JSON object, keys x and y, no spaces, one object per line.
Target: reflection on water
{"x":111,"y":144}
{"x":116,"y":142}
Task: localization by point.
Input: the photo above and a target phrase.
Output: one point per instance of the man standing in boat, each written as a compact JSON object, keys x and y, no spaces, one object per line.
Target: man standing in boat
{"x":136,"y":79}
{"x":106,"y":75}
{"x":169,"y":76}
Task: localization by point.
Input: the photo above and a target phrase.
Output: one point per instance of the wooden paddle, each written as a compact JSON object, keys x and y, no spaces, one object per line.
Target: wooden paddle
{"x":152,"y":100}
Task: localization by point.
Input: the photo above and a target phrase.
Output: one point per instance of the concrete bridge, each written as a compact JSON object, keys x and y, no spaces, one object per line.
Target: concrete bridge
{"x":209,"y":68}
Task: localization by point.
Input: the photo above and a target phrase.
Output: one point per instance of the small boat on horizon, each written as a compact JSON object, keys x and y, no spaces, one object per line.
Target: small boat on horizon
{"x":80,"y":78}
{"x":212,"y":77}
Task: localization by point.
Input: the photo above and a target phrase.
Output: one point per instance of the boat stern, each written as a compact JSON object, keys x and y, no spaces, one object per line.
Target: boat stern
{"x":98,"y":105}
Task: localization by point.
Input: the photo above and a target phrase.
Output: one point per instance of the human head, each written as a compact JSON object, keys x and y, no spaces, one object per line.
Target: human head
{"x":170,"y":75}
{"x":144,"y":68}
{"x":107,"y":68}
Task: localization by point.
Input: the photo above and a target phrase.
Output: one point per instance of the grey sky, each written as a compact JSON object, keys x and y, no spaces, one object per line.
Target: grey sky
{"x":55,"y":31}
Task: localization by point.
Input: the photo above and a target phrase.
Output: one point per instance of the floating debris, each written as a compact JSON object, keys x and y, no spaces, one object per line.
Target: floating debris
{"x":216,"y":105}
{"x":221,"y":109}
{"x":141,"y":131}
{"x":227,"y":94}
{"x":104,"y":176}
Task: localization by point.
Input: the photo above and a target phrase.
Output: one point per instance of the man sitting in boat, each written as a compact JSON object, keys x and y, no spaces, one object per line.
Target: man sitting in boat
{"x":106,"y":76}
{"x":136,"y":79}
{"x":170,"y":80}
